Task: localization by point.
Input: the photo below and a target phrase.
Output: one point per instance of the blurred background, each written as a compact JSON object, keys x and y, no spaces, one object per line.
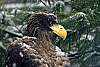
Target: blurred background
{"x":80,"y":17}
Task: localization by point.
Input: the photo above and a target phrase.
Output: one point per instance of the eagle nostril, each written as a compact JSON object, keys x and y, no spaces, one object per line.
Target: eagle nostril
{"x":61,"y":28}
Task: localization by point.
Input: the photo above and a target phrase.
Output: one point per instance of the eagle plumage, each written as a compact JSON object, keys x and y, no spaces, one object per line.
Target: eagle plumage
{"x":36,"y":49}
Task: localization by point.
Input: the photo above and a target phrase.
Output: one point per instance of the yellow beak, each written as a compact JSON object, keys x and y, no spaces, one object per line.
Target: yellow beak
{"x":59,"y":30}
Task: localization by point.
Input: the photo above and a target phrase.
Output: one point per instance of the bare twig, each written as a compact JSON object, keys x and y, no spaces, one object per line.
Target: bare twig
{"x":49,"y":2}
{"x":44,"y":3}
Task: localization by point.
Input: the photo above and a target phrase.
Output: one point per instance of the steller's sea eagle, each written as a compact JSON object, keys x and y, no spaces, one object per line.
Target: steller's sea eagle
{"x":36,"y":49}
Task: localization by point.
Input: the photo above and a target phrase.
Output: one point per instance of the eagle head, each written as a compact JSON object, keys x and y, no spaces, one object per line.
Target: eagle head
{"x":40,"y":23}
